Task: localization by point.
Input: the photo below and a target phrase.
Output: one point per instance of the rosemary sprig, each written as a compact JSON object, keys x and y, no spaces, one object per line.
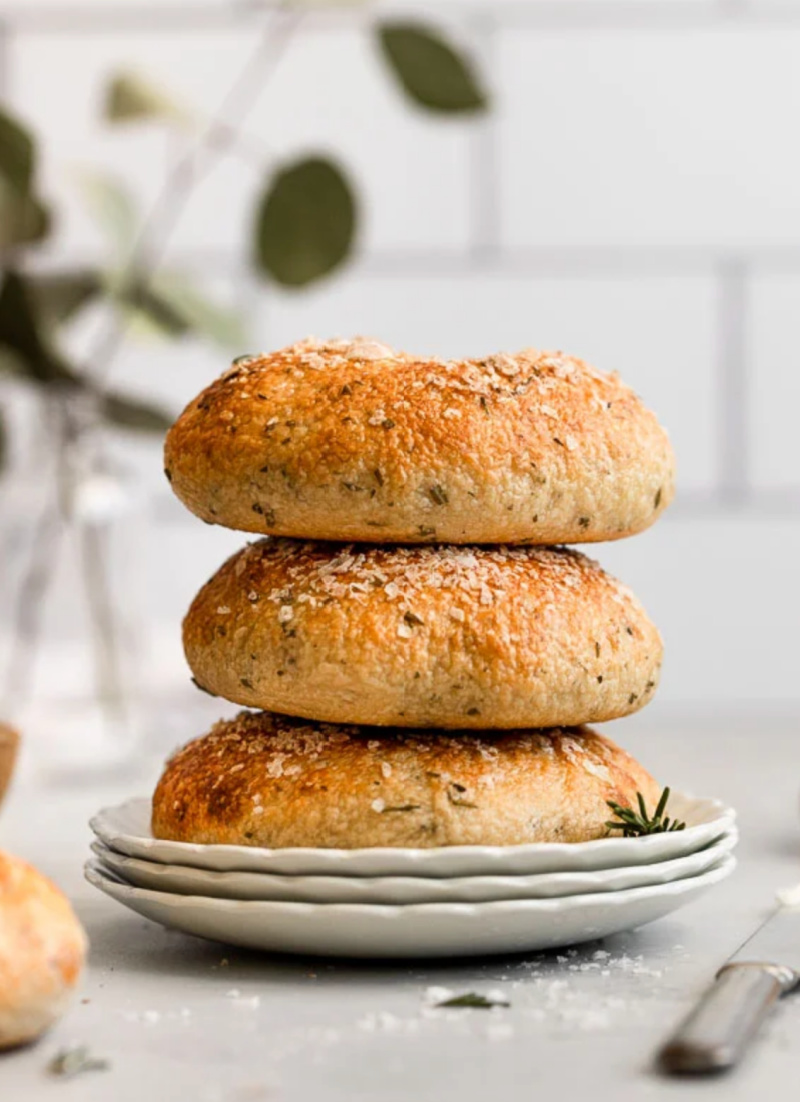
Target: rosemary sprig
{"x":471,"y":1001}
{"x":70,"y":1062}
{"x":636,"y":824}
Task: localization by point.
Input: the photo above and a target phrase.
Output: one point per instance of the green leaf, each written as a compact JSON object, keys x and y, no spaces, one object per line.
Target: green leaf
{"x":135,"y":414}
{"x":11,"y":364}
{"x":146,"y":301}
{"x":201,"y":314}
{"x":169,"y":305}
{"x":472,"y":1001}
{"x":305,"y":222}
{"x":430,"y":70}
{"x":59,"y":296}
{"x":17,"y":154}
{"x":23,"y":334}
{"x":24,"y":220}
{"x":131,"y":97}
{"x":112,"y":207}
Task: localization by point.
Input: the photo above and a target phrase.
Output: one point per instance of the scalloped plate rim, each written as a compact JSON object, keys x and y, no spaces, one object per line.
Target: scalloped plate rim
{"x":405,"y":890}
{"x":435,"y":861}
{"x":418,"y":930}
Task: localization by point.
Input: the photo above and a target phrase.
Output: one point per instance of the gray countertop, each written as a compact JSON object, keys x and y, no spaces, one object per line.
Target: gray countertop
{"x":180,"y":1018}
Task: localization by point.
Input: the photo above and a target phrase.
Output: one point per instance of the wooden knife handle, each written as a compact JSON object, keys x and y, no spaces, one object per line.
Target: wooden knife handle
{"x":716,"y":1033}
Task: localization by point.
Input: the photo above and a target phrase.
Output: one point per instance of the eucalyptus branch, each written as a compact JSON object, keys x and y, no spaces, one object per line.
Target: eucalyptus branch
{"x":218,"y":138}
{"x":215,"y":141}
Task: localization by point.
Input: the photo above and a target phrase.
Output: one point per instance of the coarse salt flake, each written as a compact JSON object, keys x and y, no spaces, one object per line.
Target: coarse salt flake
{"x":505,"y":364}
{"x":378,"y":805}
{"x":369,"y":350}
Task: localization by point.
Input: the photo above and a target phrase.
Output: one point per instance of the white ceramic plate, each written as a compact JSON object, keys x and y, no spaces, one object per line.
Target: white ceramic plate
{"x":420,"y":930}
{"x":183,"y":880}
{"x":126,"y":829}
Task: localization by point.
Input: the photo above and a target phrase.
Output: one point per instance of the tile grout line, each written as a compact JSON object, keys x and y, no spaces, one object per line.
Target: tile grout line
{"x":545,"y":263}
{"x":732,"y":382}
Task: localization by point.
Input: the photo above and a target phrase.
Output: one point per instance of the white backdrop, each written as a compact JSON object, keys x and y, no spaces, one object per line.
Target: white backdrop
{"x":633,"y":197}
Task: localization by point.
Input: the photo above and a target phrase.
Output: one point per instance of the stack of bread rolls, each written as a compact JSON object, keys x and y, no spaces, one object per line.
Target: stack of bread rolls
{"x":421,"y":649}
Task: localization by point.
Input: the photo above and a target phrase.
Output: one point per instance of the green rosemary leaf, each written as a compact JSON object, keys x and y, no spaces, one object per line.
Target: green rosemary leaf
{"x":70,"y":1062}
{"x":662,"y":803}
{"x":472,"y":1001}
{"x":633,"y":824}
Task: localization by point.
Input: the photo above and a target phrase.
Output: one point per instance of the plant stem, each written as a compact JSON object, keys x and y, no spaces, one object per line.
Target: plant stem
{"x":108,"y":681}
{"x":26,"y":615}
{"x":219,"y":137}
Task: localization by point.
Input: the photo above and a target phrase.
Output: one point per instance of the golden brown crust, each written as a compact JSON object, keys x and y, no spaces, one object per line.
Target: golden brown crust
{"x":349,"y":440}
{"x":42,"y":948}
{"x":454,"y":637}
{"x":266,"y":780}
{"x":9,"y":740}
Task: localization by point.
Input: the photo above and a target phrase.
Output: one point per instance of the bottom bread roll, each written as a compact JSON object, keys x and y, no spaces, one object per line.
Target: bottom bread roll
{"x":42,"y":948}
{"x":268,"y":780}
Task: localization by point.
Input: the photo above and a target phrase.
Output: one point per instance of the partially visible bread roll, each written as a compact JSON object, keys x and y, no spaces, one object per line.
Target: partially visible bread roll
{"x":461,"y":637}
{"x":350,"y":440}
{"x":42,"y":949}
{"x":9,"y":740}
{"x":267,"y":780}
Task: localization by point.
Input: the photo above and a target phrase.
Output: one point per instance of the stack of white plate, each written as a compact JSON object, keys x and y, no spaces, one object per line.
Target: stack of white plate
{"x":448,"y":901}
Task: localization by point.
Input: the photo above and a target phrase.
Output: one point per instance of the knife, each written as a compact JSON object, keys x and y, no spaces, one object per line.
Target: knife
{"x":715,"y":1034}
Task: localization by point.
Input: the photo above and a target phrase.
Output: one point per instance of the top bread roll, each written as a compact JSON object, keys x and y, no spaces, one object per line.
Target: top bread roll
{"x":350,"y":440}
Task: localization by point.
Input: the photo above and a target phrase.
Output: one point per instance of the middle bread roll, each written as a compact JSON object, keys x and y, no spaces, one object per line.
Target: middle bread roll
{"x":448,"y":637}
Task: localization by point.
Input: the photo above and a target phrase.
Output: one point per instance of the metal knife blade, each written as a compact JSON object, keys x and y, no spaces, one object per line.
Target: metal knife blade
{"x":715,"y":1034}
{"x":776,"y":941}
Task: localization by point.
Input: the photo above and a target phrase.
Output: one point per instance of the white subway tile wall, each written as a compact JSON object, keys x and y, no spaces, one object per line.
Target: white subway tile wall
{"x":633,"y":196}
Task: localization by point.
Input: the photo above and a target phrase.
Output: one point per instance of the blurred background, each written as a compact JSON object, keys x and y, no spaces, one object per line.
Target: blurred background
{"x":183,"y":182}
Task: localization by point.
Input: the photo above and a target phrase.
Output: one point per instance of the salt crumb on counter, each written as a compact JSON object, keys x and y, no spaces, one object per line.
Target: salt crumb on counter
{"x":789,"y":897}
